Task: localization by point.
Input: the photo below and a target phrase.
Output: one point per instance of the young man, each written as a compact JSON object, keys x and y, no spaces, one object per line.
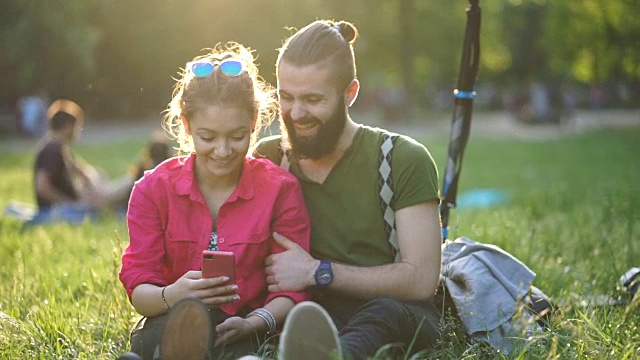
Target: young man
{"x":67,"y":188}
{"x":373,"y":297}
{"x":55,"y":165}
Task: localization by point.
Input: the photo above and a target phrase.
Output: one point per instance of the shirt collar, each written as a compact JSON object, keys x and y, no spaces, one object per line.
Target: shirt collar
{"x":246,"y":186}
{"x":186,"y":184}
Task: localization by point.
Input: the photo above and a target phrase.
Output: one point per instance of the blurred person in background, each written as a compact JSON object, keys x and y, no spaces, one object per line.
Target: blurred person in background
{"x":68,"y":188}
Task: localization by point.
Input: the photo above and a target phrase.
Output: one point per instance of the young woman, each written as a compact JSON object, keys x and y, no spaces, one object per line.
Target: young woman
{"x":213,"y":198}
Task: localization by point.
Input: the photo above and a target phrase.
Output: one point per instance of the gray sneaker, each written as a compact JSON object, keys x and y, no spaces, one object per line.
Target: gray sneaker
{"x":309,"y":333}
{"x":129,"y":356}
{"x":188,"y":332}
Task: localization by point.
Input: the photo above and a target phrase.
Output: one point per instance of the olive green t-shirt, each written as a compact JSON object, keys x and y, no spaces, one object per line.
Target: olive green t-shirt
{"x":346,"y":214}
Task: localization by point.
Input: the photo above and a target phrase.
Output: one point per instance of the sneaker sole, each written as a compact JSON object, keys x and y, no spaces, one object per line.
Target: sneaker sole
{"x":309,"y":333}
{"x":188,"y":332}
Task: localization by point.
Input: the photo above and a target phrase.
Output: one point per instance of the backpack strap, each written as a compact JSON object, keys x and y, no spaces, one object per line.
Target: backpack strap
{"x":385,"y":182}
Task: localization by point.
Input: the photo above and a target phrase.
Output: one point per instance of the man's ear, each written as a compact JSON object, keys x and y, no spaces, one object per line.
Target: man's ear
{"x":185,"y":123}
{"x":351,"y":93}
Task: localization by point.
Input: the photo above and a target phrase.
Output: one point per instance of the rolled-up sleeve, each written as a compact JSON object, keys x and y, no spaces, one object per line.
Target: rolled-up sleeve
{"x":292,"y":221}
{"x":142,"y":259}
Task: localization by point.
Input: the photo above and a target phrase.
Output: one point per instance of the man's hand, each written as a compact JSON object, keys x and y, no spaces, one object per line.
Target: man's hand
{"x":290,"y":270}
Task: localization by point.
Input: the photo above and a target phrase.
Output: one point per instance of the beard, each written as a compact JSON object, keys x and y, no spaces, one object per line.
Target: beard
{"x":326,"y":138}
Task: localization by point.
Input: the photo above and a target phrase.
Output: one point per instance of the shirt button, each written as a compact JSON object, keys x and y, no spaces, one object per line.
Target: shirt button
{"x":221,"y":240}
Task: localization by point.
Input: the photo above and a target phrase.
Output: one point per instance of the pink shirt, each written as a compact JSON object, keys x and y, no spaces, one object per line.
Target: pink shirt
{"x":170,"y":225}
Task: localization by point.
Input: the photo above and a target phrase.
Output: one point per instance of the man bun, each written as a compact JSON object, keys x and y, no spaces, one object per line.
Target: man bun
{"x":347,"y":30}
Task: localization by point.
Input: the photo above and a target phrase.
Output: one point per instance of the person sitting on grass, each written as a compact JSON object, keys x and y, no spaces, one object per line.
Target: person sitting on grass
{"x":66,"y":187}
{"x":375,"y":293}
{"x":214,"y":198}
{"x":156,"y":150}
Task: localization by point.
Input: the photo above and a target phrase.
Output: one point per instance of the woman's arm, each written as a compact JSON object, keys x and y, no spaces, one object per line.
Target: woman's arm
{"x":153,"y":300}
{"x":278,"y":307}
{"x":142,"y":260}
{"x":293,"y":220}
{"x":236,"y":328}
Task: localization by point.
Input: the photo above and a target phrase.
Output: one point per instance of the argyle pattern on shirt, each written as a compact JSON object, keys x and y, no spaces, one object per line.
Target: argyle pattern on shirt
{"x":385,"y":183}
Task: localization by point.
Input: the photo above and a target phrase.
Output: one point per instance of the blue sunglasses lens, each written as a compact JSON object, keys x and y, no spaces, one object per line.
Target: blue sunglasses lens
{"x":202,"y":69}
{"x":231,"y":67}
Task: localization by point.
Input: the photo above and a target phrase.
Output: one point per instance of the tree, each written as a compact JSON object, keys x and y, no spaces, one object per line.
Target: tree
{"x":594,"y":40}
{"x":49,"y":44}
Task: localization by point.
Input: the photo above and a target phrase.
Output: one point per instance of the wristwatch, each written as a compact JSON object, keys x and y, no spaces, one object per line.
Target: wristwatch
{"x":323,"y":274}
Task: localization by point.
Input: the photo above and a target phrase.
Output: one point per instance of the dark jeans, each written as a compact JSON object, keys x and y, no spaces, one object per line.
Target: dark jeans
{"x":366,"y":326}
{"x":147,"y":335}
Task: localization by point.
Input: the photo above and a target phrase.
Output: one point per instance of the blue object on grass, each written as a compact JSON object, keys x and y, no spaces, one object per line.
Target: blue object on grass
{"x":19,"y":210}
{"x":71,"y":212}
{"x":481,"y":198}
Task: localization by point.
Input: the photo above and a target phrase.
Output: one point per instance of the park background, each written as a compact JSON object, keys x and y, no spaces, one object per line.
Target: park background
{"x":117,"y":58}
{"x":555,"y":129}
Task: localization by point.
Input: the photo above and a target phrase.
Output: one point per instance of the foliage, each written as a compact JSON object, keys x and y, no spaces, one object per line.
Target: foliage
{"x":572,"y":217}
{"x":48,"y":44}
{"x":599,"y":39}
{"x":117,"y":57}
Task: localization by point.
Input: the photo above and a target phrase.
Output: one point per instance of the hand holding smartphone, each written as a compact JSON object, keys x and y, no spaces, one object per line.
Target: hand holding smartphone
{"x":219,"y":263}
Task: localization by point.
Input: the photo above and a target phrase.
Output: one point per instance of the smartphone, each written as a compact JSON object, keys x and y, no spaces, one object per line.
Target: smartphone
{"x":219,"y":263}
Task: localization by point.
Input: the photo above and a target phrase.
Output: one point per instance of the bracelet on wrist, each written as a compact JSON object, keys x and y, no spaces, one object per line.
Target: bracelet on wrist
{"x":165,"y":299}
{"x":268,"y":318}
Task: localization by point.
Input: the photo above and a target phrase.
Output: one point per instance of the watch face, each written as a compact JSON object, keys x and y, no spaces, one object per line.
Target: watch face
{"x":324,"y":276}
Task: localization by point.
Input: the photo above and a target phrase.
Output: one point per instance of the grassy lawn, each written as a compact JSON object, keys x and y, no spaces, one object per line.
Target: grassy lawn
{"x":573,"y":216}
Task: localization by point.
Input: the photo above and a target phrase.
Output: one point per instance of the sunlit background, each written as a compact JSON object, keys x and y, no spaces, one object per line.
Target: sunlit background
{"x":117,"y":57}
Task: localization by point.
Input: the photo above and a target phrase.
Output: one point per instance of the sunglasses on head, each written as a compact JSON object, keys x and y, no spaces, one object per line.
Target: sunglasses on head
{"x":204,"y":68}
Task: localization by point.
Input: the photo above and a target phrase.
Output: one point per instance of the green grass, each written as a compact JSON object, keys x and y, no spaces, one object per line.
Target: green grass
{"x":573,"y":217}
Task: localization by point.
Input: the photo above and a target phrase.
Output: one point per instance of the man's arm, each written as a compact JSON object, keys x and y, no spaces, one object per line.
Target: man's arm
{"x":415,"y":277}
{"x":87,"y":172}
{"x":46,"y":189}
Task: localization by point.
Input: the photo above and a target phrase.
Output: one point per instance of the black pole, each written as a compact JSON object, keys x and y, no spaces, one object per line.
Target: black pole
{"x":463,"y":109}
